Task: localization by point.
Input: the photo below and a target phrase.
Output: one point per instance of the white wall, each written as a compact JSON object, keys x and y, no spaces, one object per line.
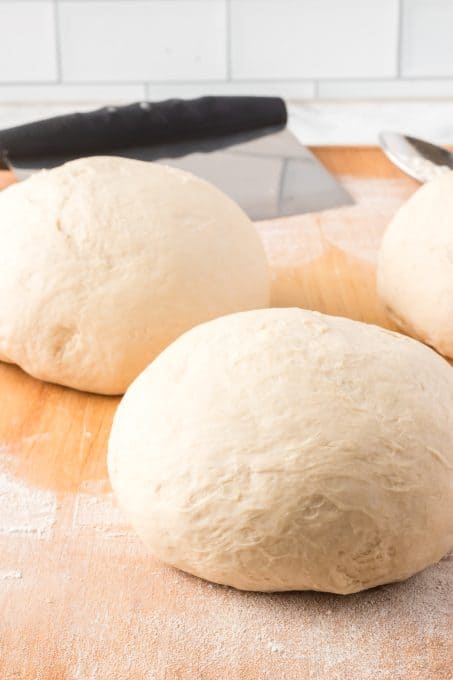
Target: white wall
{"x":77,"y":50}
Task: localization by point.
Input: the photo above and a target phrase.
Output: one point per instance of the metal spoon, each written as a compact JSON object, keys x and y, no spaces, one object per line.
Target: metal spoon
{"x":418,"y":159}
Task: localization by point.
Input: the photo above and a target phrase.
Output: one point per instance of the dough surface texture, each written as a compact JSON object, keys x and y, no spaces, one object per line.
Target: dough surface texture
{"x":415,"y":270}
{"x":104,"y":261}
{"x":283,"y":449}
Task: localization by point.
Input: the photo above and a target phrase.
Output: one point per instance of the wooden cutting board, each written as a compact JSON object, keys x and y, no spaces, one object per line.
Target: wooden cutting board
{"x":79,"y":596}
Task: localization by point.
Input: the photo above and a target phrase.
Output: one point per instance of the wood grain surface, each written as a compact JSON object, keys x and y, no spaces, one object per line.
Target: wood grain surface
{"x":79,"y":596}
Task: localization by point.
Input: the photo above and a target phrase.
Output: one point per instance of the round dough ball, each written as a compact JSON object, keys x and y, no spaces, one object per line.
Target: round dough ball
{"x":105,"y":261}
{"x":283,"y":449}
{"x":415,"y":271}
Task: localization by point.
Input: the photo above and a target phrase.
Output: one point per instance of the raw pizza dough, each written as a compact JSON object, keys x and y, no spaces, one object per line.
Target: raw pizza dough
{"x":415,"y":272}
{"x":105,"y":261}
{"x":283,"y":449}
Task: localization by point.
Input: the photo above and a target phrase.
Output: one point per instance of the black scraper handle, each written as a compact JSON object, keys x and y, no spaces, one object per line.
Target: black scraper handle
{"x":113,"y":128}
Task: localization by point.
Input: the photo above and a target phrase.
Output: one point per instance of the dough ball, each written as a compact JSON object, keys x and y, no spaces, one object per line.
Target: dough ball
{"x":415,"y":272}
{"x":283,"y":449}
{"x":105,"y":261}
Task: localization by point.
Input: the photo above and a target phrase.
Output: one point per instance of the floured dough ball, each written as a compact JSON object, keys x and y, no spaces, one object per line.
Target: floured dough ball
{"x":283,"y":449}
{"x":415,"y":272}
{"x":105,"y":261}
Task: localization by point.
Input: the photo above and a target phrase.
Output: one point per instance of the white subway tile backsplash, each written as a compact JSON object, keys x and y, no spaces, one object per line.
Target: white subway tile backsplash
{"x":71,"y":93}
{"x":72,"y":51}
{"x":289,"y":90}
{"x":28,"y":51}
{"x":385,"y":89}
{"x":137,"y":40}
{"x":427,"y":41}
{"x":314,"y":38}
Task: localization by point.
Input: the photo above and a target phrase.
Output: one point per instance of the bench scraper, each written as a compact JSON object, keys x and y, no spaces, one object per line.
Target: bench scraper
{"x":240,"y":144}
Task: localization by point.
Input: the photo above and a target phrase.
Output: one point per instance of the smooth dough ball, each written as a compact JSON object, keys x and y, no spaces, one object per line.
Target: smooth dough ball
{"x":415,"y":271}
{"x":283,"y":449}
{"x":105,"y":261}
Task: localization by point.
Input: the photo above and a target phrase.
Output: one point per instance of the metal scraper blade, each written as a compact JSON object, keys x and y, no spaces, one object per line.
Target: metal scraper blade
{"x":268,"y":173}
{"x":271,"y":176}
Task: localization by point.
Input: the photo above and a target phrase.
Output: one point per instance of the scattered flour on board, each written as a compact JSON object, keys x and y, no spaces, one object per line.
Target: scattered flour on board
{"x":24,"y":510}
{"x":362,"y":226}
{"x":197,"y":631}
{"x":99,"y":512}
{"x":38,"y":437}
{"x":95,"y":486}
{"x":293,"y":242}
{"x":10,"y":574}
{"x":355,"y":229}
